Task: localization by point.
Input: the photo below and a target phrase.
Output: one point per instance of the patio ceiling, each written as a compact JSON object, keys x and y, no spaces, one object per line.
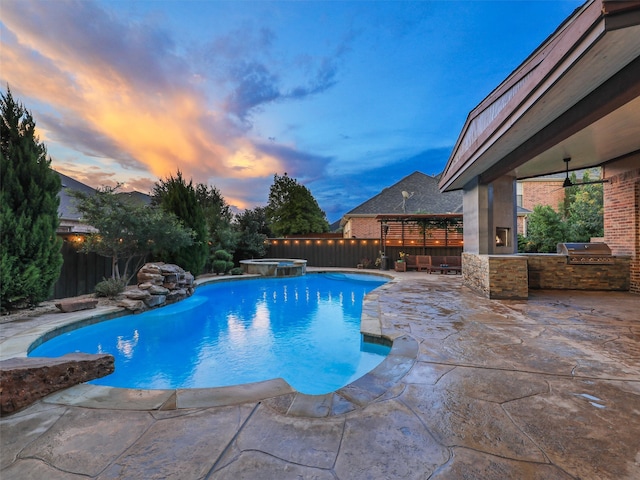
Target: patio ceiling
{"x":577,"y":96}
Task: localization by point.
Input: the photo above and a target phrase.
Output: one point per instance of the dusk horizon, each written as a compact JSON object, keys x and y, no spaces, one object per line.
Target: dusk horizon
{"x":346,"y":97}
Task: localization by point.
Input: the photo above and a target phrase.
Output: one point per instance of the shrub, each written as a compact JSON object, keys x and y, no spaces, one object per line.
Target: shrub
{"x":223,"y":261}
{"x":219,"y":266}
{"x":236,"y":271}
{"x":110,"y":287}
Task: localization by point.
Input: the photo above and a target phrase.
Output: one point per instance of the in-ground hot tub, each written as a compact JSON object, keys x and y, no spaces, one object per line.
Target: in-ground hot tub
{"x":275,"y":267}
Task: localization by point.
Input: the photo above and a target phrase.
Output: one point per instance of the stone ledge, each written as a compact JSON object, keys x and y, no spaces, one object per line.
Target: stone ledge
{"x":26,"y":380}
{"x":67,"y":306}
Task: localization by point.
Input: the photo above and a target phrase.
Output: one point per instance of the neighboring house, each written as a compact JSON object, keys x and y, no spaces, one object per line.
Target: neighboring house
{"x":70,"y":221}
{"x":416,"y":194}
{"x":544,"y":190}
{"x":80,"y":273}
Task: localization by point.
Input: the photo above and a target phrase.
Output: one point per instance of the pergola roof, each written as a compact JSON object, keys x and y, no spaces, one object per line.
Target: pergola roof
{"x":577,"y":96}
{"x":416,"y":216}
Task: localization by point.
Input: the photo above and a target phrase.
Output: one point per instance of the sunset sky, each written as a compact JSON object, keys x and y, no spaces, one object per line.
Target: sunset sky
{"x":346,"y":97}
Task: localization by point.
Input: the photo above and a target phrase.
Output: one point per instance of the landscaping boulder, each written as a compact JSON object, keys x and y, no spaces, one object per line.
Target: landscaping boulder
{"x":25,"y":380}
{"x":76,"y":305}
{"x":158,"y":284}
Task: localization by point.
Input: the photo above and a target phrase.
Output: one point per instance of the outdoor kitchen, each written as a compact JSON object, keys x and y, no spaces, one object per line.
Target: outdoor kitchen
{"x":579,"y":266}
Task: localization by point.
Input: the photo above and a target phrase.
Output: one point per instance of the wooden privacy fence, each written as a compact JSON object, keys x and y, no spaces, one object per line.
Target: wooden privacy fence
{"x":344,"y":252}
{"x":81,"y":271}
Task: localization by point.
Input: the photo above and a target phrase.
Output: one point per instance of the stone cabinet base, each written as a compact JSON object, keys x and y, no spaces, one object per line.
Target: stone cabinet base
{"x":511,"y":276}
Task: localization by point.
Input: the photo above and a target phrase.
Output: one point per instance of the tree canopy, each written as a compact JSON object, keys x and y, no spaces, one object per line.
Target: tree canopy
{"x":253,"y":232}
{"x":176,"y":196}
{"x":29,"y":248}
{"x":126,"y":230}
{"x":292,"y":209}
{"x":580,"y":219}
{"x":219,"y":219}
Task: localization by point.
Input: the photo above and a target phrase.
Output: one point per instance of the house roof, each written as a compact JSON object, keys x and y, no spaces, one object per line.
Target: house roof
{"x":421,"y":195}
{"x":576,"y":96}
{"x":66,"y":210}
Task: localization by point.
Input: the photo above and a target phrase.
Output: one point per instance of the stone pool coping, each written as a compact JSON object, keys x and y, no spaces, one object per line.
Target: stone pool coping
{"x":276,"y":392}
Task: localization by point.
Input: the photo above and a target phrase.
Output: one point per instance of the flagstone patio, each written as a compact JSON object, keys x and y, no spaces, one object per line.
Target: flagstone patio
{"x":544,"y":388}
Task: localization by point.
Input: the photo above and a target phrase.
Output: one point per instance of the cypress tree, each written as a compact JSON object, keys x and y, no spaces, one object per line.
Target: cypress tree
{"x":176,"y":196}
{"x":29,"y":248}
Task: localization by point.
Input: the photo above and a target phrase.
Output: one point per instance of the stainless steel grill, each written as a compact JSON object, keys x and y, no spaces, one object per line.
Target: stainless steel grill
{"x":586,"y":253}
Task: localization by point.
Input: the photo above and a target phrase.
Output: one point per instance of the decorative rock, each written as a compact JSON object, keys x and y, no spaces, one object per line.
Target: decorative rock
{"x":76,"y":305}
{"x":169,"y":268}
{"x":137,"y":294}
{"x":150,"y":268}
{"x":171,"y":278}
{"x":154,"y":278}
{"x":158,"y":284}
{"x":155,"y":300}
{"x":133,"y":305}
{"x":176,"y":295}
{"x":25,"y":380}
{"x":158,"y":290}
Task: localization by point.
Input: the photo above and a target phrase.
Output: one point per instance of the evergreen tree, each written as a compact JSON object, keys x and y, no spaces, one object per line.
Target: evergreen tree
{"x":29,"y":248}
{"x":292,"y":209}
{"x":217,"y":213}
{"x":545,"y":230}
{"x":177,"y":196}
{"x":585,"y":211}
{"x":254,"y":231}
{"x":581,"y":218}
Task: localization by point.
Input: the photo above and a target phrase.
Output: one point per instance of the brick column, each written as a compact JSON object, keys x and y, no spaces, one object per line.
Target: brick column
{"x":622,"y":213}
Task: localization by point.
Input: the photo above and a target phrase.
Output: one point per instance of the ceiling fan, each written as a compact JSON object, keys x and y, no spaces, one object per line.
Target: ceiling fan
{"x":568,"y":183}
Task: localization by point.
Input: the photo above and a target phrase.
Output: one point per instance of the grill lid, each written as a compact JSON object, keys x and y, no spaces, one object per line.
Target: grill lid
{"x":595,"y":248}
{"x":586,"y":253}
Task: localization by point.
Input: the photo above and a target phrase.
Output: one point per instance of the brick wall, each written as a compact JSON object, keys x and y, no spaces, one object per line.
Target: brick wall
{"x":542,"y":192}
{"x":362,"y":227}
{"x":551,"y":271}
{"x":622,"y":213}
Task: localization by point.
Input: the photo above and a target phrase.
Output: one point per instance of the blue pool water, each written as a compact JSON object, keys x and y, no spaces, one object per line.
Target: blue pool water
{"x":303,"y":329}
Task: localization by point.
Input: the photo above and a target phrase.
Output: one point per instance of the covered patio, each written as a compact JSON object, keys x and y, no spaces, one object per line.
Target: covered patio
{"x":574,"y":102}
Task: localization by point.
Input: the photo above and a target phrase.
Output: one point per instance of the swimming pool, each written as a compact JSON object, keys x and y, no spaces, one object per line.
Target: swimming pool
{"x":303,"y":329}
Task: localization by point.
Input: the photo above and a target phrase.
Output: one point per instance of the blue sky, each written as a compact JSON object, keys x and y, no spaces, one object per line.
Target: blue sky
{"x":346,"y":97}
